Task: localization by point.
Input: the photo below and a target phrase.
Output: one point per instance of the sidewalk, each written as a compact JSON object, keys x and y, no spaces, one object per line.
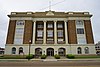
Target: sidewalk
{"x":93,"y":59}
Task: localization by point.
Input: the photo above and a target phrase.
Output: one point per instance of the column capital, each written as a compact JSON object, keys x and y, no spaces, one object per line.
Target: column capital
{"x":44,"y":21}
{"x":55,"y":21}
{"x":65,"y":20}
{"x":34,"y":21}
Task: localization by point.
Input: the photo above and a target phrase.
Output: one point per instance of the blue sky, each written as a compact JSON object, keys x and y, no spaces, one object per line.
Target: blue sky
{"x":7,"y":6}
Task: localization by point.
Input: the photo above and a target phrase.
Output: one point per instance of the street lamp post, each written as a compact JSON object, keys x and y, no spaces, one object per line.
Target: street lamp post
{"x":29,"y":49}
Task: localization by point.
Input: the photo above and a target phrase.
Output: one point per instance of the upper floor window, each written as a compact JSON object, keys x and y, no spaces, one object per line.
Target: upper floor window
{"x":79,"y":22}
{"x":60,"y":33}
{"x":19,"y":30}
{"x":81,"y":41}
{"x":40,"y":25}
{"x":39,"y":33}
{"x":50,"y":33}
{"x":60,"y":25}
{"x":80,"y":31}
{"x":59,"y":40}
{"x":50,"y":25}
{"x":20,"y":22}
{"x":18,"y":40}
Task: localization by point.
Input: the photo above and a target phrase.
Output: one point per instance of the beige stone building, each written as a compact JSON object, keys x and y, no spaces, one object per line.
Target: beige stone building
{"x":50,"y":33}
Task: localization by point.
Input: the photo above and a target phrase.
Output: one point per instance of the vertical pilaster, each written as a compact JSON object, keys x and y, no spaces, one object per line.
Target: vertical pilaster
{"x":34,"y":31}
{"x":44,"y":36}
{"x":66,"y":36}
{"x":55,"y":32}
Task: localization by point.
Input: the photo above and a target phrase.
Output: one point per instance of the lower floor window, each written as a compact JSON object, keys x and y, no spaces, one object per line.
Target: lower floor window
{"x":13,"y":50}
{"x":86,"y":50}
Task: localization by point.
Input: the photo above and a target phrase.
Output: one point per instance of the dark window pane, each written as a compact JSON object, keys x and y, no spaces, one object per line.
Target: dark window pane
{"x":80,"y":31}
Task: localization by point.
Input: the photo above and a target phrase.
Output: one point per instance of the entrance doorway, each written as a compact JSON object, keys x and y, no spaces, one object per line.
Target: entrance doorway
{"x":50,"y":52}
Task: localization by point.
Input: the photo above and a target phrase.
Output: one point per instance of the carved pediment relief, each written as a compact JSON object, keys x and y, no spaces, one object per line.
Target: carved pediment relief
{"x":50,"y":13}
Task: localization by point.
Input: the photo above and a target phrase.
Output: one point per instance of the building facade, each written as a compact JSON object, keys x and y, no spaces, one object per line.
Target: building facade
{"x":97,"y":47}
{"x":2,"y":51}
{"x":50,"y":33}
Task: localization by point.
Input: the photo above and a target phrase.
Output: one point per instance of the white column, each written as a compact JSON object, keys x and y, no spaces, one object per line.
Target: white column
{"x":66,"y":36}
{"x":34,"y":30}
{"x":44,"y":38}
{"x":55,"y":32}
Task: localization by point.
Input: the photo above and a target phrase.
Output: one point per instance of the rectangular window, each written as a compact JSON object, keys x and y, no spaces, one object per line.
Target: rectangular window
{"x":79,"y":22}
{"x":39,"y":33}
{"x":59,"y":40}
{"x":18,"y":39}
{"x":81,"y":39}
{"x":50,"y":25}
{"x":40,"y":26}
{"x":19,"y":30}
{"x":20,"y":22}
{"x":50,"y":33}
{"x":80,"y":31}
{"x":60,"y":33}
{"x":60,"y":25}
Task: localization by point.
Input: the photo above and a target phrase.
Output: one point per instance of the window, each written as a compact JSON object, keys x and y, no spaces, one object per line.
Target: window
{"x":50,"y":33}
{"x":61,"y":51}
{"x":81,"y":39}
{"x":20,"y":50}
{"x":39,"y":33}
{"x":19,"y":30}
{"x":79,"y":22}
{"x":79,"y":50}
{"x":19,"y":36}
{"x":80,"y":31}
{"x":59,"y":40}
{"x":40,"y":26}
{"x":60,"y":33}
{"x":20,"y":22}
{"x":86,"y":50}
{"x":60,"y":25}
{"x":50,"y":25}
{"x":18,"y":41}
{"x":13,"y":50}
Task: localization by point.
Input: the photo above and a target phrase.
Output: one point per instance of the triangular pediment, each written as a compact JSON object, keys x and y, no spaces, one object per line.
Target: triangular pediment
{"x":50,"y":13}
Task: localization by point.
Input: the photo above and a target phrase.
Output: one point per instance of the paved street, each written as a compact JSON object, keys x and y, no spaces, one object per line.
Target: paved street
{"x":49,"y":63}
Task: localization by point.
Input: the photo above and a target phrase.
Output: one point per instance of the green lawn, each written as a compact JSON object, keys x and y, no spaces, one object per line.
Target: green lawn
{"x":13,"y":57}
{"x":86,"y":56}
{"x":24,"y":57}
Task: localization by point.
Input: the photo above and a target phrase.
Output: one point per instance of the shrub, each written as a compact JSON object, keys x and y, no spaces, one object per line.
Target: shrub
{"x":43,"y":56}
{"x":13,"y":57}
{"x":57,"y":56}
{"x":30,"y":56}
{"x":70,"y":56}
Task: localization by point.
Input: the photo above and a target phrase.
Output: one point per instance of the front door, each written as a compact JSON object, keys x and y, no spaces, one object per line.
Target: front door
{"x":50,"y":52}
